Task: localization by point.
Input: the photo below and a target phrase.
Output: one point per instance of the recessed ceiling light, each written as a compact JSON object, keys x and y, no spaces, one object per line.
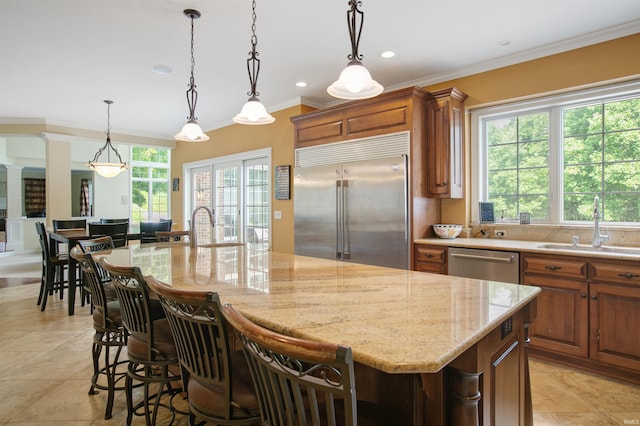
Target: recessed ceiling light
{"x":161,"y":69}
{"x":387,"y":54}
{"x":504,"y":42}
{"x":301,"y":84}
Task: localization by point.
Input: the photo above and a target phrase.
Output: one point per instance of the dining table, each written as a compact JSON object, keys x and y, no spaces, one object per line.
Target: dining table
{"x":443,"y":349}
{"x":70,"y":237}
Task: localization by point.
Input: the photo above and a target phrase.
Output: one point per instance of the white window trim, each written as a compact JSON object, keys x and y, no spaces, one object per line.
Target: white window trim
{"x":610,"y":92}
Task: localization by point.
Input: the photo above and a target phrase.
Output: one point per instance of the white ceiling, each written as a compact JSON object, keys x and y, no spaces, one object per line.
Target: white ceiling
{"x":60,"y":59}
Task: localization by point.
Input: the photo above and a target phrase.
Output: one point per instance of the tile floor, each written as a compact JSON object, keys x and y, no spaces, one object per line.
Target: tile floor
{"x":45,"y":368}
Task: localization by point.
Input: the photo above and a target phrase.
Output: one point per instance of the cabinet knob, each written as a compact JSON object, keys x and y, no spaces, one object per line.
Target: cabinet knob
{"x":594,"y":296}
{"x":583,"y":295}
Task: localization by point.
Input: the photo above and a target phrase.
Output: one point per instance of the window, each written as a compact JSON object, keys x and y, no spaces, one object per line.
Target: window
{"x":150,"y":173}
{"x":551,"y":156}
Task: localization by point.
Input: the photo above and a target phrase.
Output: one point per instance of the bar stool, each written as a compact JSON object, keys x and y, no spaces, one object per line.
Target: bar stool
{"x":109,"y":332}
{"x":150,"y":346}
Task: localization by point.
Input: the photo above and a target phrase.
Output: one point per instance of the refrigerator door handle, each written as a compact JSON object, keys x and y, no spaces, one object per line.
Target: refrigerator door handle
{"x":346,"y":242}
{"x":339,"y":221}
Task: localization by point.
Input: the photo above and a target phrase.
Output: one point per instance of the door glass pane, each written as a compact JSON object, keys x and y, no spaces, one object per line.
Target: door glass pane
{"x":202,"y":197}
{"x":257,"y":203}
{"x":227,"y":204}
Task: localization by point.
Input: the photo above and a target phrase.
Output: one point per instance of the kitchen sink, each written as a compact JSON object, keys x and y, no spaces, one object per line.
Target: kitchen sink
{"x":583,"y":247}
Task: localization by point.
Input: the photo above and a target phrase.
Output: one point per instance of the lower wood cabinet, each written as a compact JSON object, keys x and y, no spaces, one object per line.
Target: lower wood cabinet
{"x":428,"y":258}
{"x":588,"y":312}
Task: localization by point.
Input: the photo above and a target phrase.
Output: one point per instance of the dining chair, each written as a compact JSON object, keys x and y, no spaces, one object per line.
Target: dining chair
{"x":69,"y":224}
{"x":117,"y":231}
{"x":217,"y":379}
{"x":151,"y":350}
{"x":303,"y":382}
{"x":109,"y":332}
{"x":53,"y":268}
{"x":66,"y":224}
{"x":148,"y":230}
{"x":123,"y":220}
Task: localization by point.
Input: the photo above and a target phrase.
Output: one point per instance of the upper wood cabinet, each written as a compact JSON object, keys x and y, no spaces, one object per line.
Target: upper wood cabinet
{"x":445,"y":148}
{"x":434,"y":120}
{"x":400,"y":110}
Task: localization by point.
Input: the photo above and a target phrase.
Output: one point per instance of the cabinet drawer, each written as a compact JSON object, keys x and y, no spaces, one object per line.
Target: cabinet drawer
{"x":555,"y":267}
{"x":611,"y":272}
{"x":436,"y":268}
{"x":431,"y":254}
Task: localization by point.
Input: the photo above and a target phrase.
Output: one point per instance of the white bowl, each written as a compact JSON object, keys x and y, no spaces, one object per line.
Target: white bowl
{"x":444,"y":230}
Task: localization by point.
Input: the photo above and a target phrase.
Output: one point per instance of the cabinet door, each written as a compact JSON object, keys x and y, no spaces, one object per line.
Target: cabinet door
{"x":615,"y":324}
{"x":562,"y":321}
{"x":508,"y":397}
{"x":445,"y":147}
{"x":430,"y":259}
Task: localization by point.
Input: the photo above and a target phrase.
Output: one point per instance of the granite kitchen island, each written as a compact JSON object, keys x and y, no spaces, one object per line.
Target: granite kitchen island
{"x":443,"y":349}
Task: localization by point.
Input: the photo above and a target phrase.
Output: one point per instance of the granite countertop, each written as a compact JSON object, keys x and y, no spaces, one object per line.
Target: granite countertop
{"x":395,"y":320}
{"x":606,"y":252}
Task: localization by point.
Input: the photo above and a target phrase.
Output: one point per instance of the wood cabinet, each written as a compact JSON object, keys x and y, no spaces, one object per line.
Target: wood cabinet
{"x":430,"y":258}
{"x":445,"y":149}
{"x":614,"y":299}
{"x":588,"y":312}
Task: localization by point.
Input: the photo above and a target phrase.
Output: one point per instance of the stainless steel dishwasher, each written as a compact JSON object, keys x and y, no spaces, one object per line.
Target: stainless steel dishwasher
{"x":491,"y":265}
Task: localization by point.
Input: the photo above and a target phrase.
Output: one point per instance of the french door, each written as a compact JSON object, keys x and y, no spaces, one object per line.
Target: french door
{"x":238,"y":193}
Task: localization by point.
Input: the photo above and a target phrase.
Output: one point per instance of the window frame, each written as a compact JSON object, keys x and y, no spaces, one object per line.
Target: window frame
{"x":554,"y":105}
{"x":149,"y":179}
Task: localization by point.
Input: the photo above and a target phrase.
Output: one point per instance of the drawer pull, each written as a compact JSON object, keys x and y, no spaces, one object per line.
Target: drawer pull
{"x":629,"y":275}
{"x":553,"y":267}
{"x":428,"y":255}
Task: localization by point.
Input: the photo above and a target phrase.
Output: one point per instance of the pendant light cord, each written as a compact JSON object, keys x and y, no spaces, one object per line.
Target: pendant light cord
{"x":253,"y":63}
{"x":192,"y":94}
{"x":355,"y":30}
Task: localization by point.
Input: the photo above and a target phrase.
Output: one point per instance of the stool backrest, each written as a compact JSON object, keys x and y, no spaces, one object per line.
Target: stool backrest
{"x":297,"y":378}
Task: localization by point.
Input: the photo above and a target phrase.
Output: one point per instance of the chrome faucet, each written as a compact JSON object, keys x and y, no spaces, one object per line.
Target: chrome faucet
{"x":192,"y":234}
{"x":598,"y":238}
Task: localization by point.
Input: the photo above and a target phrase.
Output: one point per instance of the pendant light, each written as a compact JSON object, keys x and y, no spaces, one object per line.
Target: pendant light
{"x":355,"y":82}
{"x":253,"y":112}
{"x":108,"y":169}
{"x":191,"y":132}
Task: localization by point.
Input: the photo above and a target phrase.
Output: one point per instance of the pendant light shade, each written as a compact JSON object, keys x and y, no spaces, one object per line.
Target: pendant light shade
{"x":191,"y":132}
{"x":355,"y":81}
{"x":107,"y":168}
{"x":253,"y":112}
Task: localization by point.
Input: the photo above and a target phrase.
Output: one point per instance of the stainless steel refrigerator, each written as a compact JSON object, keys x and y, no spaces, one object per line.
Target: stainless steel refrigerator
{"x":356,"y":212}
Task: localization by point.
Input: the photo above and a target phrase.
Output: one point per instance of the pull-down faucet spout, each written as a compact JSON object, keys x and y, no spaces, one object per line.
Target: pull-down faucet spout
{"x":212,"y":220}
{"x":598,"y":238}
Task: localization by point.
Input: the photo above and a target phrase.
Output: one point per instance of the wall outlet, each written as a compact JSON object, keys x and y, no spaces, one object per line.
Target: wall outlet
{"x":499,"y":233}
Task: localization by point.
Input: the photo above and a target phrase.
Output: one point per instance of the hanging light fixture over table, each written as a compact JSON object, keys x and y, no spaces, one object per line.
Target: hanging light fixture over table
{"x":108,"y":169}
{"x":253,"y":112}
{"x":191,"y":132}
{"x":355,"y":82}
